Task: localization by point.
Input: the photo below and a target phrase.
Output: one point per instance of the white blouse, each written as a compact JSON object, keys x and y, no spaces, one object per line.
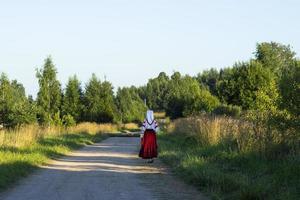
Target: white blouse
{"x":149,"y":125}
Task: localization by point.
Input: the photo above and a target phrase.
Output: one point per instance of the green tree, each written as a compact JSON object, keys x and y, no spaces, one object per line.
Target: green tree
{"x":99,"y":101}
{"x":226,"y":86}
{"x":15,"y":107}
{"x":5,"y":100}
{"x":130,"y":106}
{"x":109,"y":107}
{"x":72,"y":99}
{"x":49,"y":95}
{"x":242,"y":85}
{"x":274,"y":56}
{"x":290,"y":88}
{"x":156,"y":91}
{"x":186,"y":97}
{"x":209,"y":79}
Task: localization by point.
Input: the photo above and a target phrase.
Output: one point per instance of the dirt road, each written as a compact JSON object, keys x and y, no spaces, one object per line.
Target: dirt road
{"x":106,"y":170}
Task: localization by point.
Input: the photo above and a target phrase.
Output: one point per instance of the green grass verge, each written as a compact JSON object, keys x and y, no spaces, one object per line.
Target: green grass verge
{"x":227,"y":174}
{"x":16,"y":163}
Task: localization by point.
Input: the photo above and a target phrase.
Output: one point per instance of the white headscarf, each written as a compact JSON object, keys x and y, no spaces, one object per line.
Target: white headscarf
{"x":150,"y":116}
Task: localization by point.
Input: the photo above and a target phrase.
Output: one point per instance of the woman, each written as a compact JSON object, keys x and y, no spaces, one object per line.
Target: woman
{"x":148,"y":142}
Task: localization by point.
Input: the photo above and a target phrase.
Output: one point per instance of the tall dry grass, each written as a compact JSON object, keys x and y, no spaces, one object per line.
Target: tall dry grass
{"x":159,"y":115}
{"x":237,"y":133}
{"x":130,"y":126}
{"x":93,"y":128}
{"x":29,"y":134}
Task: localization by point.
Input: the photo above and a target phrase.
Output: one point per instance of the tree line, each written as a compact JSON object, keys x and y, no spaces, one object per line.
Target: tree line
{"x":95,"y":102}
{"x":268,"y":84}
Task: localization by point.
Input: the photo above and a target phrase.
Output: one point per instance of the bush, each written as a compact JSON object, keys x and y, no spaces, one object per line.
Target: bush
{"x":290,"y":88}
{"x":56,"y":120}
{"x":185,"y":97}
{"x":68,"y":120}
{"x":228,"y":110}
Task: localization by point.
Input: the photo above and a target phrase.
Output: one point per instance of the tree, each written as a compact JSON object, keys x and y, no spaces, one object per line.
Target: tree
{"x":242,"y":84}
{"x":226,"y":86}
{"x":186,"y":97}
{"x":5,"y":100}
{"x":49,"y":95}
{"x":99,"y":101}
{"x":290,"y":88}
{"x":209,"y":79}
{"x":274,"y":56}
{"x":130,"y":106}
{"x":72,"y":99}
{"x":109,"y":107}
{"x":155,"y":92}
{"x":15,"y":108}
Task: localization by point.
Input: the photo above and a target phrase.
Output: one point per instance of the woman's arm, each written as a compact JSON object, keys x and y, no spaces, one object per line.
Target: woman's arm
{"x":143,"y":127}
{"x":156,"y":128}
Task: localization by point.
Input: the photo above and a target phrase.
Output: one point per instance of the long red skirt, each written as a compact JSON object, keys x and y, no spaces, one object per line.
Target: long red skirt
{"x":148,"y":145}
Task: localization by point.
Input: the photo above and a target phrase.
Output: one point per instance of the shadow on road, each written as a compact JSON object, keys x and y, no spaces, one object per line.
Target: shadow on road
{"x":107,"y":170}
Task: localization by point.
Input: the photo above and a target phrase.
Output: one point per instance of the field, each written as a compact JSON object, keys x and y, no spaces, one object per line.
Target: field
{"x":24,"y":149}
{"x":223,"y":158}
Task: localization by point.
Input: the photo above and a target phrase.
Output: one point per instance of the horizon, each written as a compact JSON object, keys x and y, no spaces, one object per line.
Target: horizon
{"x":131,"y":42}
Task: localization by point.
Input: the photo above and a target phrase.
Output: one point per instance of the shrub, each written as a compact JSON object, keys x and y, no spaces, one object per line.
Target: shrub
{"x":228,"y":110}
{"x":185,"y":97}
{"x":290,"y":88}
{"x":245,"y":135}
{"x":68,"y":120}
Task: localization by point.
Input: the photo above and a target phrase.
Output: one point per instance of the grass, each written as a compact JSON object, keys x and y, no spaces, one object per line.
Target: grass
{"x":208,"y":156}
{"x":129,"y":127}
{"x":25,"y":149}
{"x":159,"y":115}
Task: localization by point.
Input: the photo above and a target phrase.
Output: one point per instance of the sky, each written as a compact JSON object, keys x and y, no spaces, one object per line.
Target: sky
{"x":130,"y":41}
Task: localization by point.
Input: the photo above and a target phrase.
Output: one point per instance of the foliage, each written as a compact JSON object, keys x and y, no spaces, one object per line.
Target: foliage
{"x":225,"y":156}
{"x":49,"y":95}
{"x":228,"y":110}
{"x":290,"y":88}
{"x":56,"y":120}
{"x":99,"y":101}
{"x":185,"y":97}
{"x":225,"y":173}
{"x":68,"y":120}
{"x":274,"y":56}
{"x":266,"y":85}
{"x":156,"y":91}
{"x":209,"y":79}
{"x":242,"y":85}
{"x":15,"y":107}
{"x":72,"y":99}
{"x":130,"y":106}
{"x":24,"y":149}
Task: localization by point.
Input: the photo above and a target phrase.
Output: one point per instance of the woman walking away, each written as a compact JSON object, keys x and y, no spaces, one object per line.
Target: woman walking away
{"x":148,"y":142}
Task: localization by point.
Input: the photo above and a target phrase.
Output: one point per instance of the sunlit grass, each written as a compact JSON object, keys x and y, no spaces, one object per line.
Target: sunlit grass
{"x":26,"y":148}
{"x":159,"y":115}
{"x":28,"y":134}
{"x":129,"y":127}
{"x":231,"y":159}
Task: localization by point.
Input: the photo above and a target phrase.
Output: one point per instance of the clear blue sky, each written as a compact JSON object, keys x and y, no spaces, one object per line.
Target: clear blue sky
{"x":130,"y":41}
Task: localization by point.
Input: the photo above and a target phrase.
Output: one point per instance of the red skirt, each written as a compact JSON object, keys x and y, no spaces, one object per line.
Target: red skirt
{"x":148,"y":145}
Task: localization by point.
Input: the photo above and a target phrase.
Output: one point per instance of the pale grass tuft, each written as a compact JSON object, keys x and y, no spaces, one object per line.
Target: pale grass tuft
{"x":235,"y":133}
{"x":159,"y":115}
{"x":131,"y":126}
{"x":93,"y":128}
{"x":29,"y":134}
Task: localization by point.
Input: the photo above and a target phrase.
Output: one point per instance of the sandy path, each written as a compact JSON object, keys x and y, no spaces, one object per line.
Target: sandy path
{"x":106,"y":170}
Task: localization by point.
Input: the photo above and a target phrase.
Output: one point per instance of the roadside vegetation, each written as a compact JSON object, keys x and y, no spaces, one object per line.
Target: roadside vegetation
{"x":25,"y":148}
{"x":232,"y":159}
{"x":233,"y":131}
